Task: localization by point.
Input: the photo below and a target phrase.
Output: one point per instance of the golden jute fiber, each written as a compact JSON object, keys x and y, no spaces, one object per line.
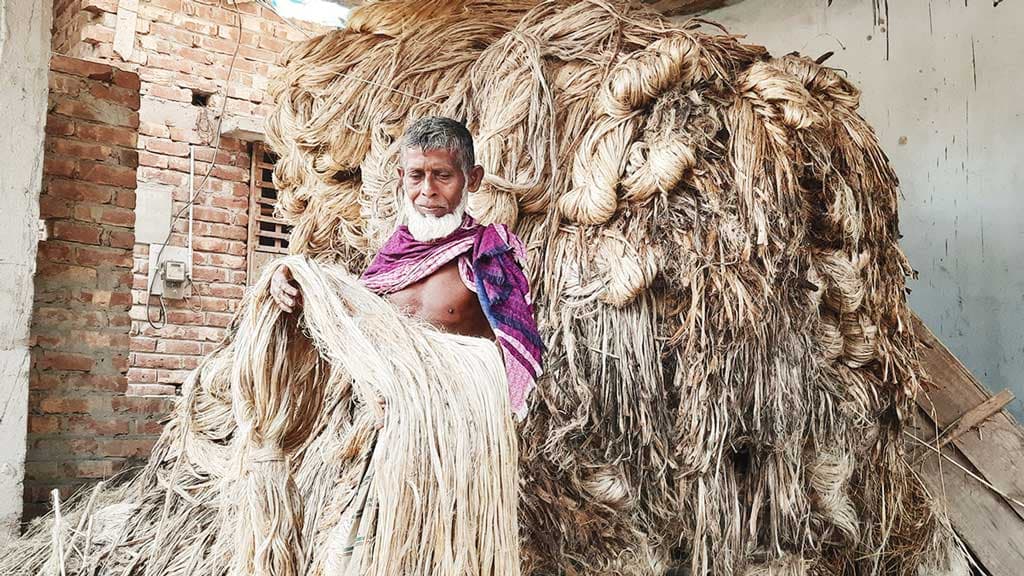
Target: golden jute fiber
{"x":713,"y":251}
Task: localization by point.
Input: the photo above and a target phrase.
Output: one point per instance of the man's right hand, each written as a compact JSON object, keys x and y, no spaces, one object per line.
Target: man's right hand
{"x":284,"y":291}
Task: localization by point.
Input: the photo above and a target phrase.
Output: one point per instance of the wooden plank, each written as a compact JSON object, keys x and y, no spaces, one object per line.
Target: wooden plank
{"x":976,"y":416}
{"x":985,"y":522}
{"x":997,"y":449}
{"x":269,"y":234}
{"x":254,"y":211}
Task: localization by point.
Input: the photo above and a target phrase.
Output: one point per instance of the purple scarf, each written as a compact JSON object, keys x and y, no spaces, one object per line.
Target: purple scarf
{"x":496,"y":261}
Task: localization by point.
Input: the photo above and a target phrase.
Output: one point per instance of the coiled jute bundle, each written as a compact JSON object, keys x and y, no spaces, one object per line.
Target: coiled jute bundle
{"x":713,"y":252}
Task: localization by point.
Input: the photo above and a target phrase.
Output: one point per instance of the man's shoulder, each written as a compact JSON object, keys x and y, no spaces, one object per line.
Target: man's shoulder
{"x":498,"y":238}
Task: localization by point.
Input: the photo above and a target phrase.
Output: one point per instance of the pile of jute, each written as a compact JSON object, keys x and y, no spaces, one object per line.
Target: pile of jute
{"x":264,"y":467}
{"x":713,"y":251}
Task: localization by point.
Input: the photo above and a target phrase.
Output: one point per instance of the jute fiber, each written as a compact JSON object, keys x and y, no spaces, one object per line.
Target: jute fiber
{"x":713,"y":241}
{"x":285,"y":431}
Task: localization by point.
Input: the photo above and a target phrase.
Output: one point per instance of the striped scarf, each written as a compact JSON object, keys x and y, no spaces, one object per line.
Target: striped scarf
{"x":496,"y":260}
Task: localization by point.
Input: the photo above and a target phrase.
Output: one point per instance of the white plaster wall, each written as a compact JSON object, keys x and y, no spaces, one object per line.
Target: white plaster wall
{"x":24,"y":65}
{"x":943,"y":84}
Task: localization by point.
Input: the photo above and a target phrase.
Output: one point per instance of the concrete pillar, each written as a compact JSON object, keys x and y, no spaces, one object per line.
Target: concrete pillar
{"x":24,"y":66}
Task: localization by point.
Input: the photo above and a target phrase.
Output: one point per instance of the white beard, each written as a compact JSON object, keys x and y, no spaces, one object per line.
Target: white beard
{"x":426,"y":227}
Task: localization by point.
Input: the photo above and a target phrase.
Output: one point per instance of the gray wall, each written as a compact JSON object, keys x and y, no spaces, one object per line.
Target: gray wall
{"x":943,"y":85}
{"x":24,"y":64}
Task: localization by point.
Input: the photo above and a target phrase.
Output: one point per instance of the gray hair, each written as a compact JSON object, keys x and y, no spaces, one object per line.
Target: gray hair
{"x":440,"y":133}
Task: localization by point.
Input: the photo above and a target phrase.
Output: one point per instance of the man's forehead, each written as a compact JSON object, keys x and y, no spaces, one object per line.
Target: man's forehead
{"x":431,"y":157}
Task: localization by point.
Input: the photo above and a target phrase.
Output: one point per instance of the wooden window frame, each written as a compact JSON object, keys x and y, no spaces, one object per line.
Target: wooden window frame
{"x":268,"y":235}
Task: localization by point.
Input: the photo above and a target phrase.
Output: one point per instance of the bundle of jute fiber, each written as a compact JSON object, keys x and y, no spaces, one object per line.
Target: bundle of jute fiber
{"x":713,"y":251}
{"x":347,"y":440}
{"x":713,"y":242}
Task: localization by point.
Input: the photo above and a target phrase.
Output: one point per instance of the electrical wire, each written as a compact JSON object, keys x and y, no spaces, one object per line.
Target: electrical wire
{"x":162,"y":318}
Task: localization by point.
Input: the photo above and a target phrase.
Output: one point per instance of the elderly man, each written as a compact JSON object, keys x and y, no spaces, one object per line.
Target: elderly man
{"x":441,"y":266}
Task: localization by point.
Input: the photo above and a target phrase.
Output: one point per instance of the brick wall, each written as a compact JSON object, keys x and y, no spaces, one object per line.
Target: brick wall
{"x":81,"y":426}
{"x":103,"y":378}
{"x":183,"y":53}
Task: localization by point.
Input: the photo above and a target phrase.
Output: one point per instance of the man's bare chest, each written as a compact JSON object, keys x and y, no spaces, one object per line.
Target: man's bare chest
{"x":443,"y":300}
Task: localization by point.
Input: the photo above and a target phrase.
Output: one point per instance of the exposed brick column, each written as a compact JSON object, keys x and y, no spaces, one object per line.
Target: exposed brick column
{"x":81,"y":426}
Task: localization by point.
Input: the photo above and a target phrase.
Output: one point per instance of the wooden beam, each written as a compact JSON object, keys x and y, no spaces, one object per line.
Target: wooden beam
{"x":996,"y":451}
{"x":984,"y":521}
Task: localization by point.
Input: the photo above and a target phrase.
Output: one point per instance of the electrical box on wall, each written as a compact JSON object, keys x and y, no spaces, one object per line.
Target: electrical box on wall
{"x":171,"y":275}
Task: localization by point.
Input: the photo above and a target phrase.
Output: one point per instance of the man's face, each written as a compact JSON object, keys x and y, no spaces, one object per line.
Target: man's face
{"x":434,"y":181}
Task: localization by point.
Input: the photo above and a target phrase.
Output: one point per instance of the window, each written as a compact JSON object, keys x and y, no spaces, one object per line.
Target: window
{"x":268,"y":236}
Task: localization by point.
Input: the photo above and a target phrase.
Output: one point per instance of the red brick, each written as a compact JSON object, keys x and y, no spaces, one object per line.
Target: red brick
{"x":95,"y":257}
{"x":174,"y":63}
{"x":72,"y":232}
{"x":233,"y":203}
{"x":83,"y":68}
{"x":200,"y":27}
{"x":154,"y":129}
{"x":59,"y":166}
{"x":117,"y":216}
{"x":125,"y":199}
{"x":63,"y":405}
{"x":48,"y":341}
{"x":224,"y":290}
{"x":184,"y":317}
{"x":217,"y":319}
{"x":59,"y":125}
{"x":152,"y":160}
{"x":97,"y":34}
{"x":273,"y":44}
{"x":147,"y":427}
{"x":77,"y":190}
{"x":98,"y":382}
{"x":80,"y":150}
{"x":125,"y":79}
{"x":214,"y":13}
{"x":50,"y":207}
{"x":88,"y":424}
{"x":41,"y":381}
{"x":227,"y":261}
{"x":232,"y":173}
{"x":172,"y":376}
{"x":56,"y":251}
{"x":117,"y":135}
{"x":117,"y":95}
{"x":207,"y":214}
{"x":152,"y":390}
{"x":142,"y":405}
{"x":160,"y":146}
{"x":64,"y":84}
{"x":143,"y":344}
{"x":91,"y":469}
{"x":121,"y":238}
{"x":109,"y":174}
{"x":147,"y":360}
{"x":65,"y":361}
{"x":67,"y":275}
{"x":128,"y":447}
{"x":43,"y":424}
{"x":179,"y":347}
{"x":257,"y":54}
{"x":170,"y":92}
